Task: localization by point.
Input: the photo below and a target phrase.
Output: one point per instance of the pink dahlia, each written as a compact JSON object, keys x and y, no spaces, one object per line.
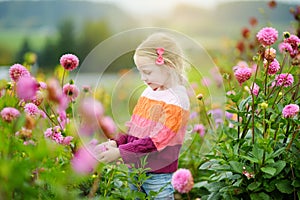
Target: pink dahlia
{"x":16,"y":71}
{"x":242,"y":74}
{"x":91,"y":110}
{"x":84,"y":160}
{"x":69,"y":62}
{"x":267,"y":36}
{"x":8,"y":114}
{"x":199,"y":128}
{"x":31,"y":109}
{"x":284,"y":79}
{"x":273,"y":67}
{"x":71,"y":91}
{"x":182,"y":180}
{"x":285,"y":47}
{"x":54,"y":134}
{"x":290,"y":110}
{"x":294,"y":41}
{"x":255,"y":89}
{"x":108,"y":126}
{"x":27,"y":88}
{"x":67,"y":140}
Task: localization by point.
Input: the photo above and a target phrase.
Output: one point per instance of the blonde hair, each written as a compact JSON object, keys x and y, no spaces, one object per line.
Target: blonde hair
{"x":172,"y":55}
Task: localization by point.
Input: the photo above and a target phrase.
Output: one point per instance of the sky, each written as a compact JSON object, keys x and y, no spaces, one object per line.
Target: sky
{"x":150,"y":6}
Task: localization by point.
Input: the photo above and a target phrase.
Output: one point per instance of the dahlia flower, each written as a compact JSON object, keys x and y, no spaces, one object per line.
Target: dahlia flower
{"x":26,"y":88}
{"x":71,"y":91}
{"x":273,"y":67}
{"x":267,"y":36}
{"x":182,"y":180}
{"x":16,"y":71}
{"x":284,"y":79}
{"x":290,"y":110}
{"x":242,"y":74}
{"x":199,"y":128}
{"x":8,"y":114}
{"x":69,"y":62}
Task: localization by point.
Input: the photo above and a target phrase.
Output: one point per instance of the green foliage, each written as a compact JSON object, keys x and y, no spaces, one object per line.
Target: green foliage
{"x":256,"y":155}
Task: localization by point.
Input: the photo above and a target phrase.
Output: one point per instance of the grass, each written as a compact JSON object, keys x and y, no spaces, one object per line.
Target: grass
{"x":13,"y":39}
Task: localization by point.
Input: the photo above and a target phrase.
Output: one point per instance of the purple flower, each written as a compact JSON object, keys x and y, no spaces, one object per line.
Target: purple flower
{"x":27,"y":88}
{"x":8,"y":114}
{"x":199,"y":128}
{"x":69,"y":62}
{"x":267,"y":36}
{"x":273,"y":67}
{"x":242,"y":74}
{"x":193,"y":115}
{"x":290,"y":110}
{"x":16,"y":71}
{"x":32,"y":109}
{"x":284,"y":79}
{"x":71,"y":91}
{"x":182,"y":180}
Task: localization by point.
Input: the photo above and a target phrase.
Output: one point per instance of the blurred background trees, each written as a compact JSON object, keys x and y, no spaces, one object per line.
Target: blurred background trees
{"x":52,"y":28}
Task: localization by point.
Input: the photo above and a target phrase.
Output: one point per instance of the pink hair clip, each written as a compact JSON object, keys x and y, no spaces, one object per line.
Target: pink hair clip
{"x":160,"y":60}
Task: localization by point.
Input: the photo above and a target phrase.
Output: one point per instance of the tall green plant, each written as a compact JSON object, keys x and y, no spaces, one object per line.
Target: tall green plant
{"x":257,"y":152}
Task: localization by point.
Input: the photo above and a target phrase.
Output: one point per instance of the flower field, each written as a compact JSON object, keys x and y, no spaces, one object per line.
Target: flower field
{"x":248,"y":148}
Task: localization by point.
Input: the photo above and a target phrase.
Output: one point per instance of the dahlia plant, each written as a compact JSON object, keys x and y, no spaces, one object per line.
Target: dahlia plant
{"x":49,"y":130}
{"x":256,"y":155}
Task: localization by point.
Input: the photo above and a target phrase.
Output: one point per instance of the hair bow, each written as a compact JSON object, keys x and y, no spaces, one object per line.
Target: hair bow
{"x":160,"y":60}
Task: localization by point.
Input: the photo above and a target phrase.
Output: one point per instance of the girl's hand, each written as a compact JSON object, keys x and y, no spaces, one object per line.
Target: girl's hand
{"x":110,"y":155}
{"x":112,"y":143}
{"x":103,"y":146}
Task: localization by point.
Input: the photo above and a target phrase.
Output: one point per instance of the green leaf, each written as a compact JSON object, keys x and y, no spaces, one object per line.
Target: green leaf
{"x":215,"y":186}
{"x":259,"y":196}
{"x":236,"y":166}
{"x":257,"y":152}
{"x":278,"y":152}
{"x":268,"y":170}
{"x":296,"y":183}
{"x":200,"y":184}
{"x":253,"y":186}
{"x":284,"y":186}
{"x":279,"y":165}
{"x":254,"y":160}
{"x":237,"y":97}
{"x":244,"y":102}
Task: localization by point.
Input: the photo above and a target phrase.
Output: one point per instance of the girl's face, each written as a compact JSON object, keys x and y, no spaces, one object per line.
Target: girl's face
{"x":155,"y":76}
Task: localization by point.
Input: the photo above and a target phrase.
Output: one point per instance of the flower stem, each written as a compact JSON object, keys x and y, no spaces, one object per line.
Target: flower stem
{"x":293,"y":137}
{"x":95,"y":187}
{"x":63,"y":77}
{"x":282,"y":64}
{"x":287,"y":132}
{"x":205,"y":111}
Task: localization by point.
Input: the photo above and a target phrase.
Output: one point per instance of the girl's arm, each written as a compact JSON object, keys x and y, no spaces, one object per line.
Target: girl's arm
{"x":135,"y":149}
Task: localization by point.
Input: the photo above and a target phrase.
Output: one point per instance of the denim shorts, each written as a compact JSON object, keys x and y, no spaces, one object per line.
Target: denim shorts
{"x":154,"y":183}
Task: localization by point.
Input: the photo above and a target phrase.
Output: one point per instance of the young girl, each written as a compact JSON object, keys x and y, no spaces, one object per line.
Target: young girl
{"x":158,"y":123}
